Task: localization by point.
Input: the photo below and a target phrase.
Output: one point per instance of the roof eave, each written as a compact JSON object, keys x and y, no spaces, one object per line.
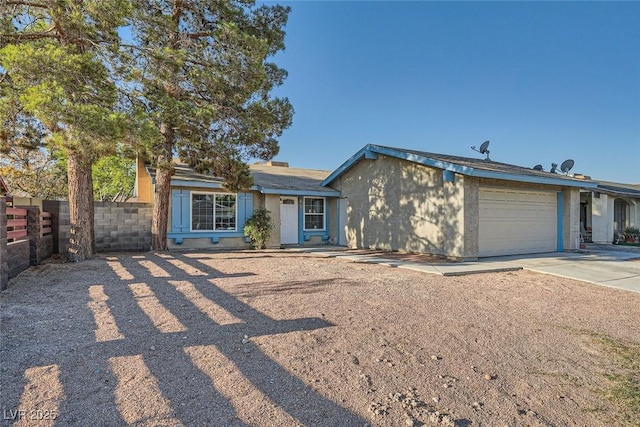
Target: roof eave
{"x":202,"y":184}
{"x":371,"y":150}
{"x":289,"y":192}
{"x":532,"y":179}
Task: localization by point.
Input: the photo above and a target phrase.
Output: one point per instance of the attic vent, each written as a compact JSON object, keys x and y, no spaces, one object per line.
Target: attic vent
{"x":281,"y":164}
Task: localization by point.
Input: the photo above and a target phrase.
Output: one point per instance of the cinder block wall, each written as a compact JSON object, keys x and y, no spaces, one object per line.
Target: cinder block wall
{"x":118,"y":226}
{"x":19,"y":258}
{"x":122,"y":226}
{"x":60,"y":224}
{"x":45,"y":249}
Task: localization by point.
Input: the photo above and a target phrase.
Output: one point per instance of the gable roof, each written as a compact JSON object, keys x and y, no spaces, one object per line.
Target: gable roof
{"x":267,"y":180}
{"x":462,"y":165}
{"x":290,"y":181}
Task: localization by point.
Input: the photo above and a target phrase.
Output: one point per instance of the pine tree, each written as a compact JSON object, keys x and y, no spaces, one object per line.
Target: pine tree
{"x":202,"y":76}
{"x":53,"y":59}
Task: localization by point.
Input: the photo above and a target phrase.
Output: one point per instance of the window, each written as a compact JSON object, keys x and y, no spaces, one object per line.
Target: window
{"x":314,"y":213}
{"x":213,"y":212}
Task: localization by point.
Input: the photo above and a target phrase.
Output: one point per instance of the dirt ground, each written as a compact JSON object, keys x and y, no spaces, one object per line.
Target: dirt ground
{"x":272,"y":338}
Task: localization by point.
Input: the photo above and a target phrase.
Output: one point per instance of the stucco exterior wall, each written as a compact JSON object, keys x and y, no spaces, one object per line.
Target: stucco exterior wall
{"x":453,"y":225}
{"x":602,"y":219}
{"x":634,"y":213}
{"x":332,"y":210}
{"x":28,"y":201}
{"x":471,"y":217}
{"x":314,"y":241}
{"x":399,"y":205}
{"x":571,"y":218}
{"x":272,"y":204}
{"x":144,"y":187}
{"x":517,"y":184}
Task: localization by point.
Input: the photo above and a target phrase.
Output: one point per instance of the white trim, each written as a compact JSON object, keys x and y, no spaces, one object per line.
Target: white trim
{"x":324,"y":214}
{"x":192,"y":193}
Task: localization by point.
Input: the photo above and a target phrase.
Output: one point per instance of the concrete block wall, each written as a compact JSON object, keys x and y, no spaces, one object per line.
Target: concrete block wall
{"x":122,"y":226}
{"x":40,"y":247}
{"x":45,"y":248}
{"x":60,"y":224}
{"x":118,"y":226}
{"x":19,"y":258}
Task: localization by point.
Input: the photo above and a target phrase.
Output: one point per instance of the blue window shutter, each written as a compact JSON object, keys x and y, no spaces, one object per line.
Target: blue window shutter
{"x":245,"y":209}
{"x":180,"y":211}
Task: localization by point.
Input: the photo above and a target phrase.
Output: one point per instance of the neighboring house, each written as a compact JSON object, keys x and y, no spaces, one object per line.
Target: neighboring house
{"x":205,"y":215}
{"x":4,"y":192}
{"x":458,"y":207}
{"x":3,"y":188}
{"x":607,"y":209}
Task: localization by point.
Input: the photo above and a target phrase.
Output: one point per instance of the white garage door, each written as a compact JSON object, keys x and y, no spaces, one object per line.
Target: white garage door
{"x":517,"y":222}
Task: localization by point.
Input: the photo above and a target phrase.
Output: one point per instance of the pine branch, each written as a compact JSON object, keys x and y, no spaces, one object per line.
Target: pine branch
{"x":32,"y":36}
{"x":26,"y":3}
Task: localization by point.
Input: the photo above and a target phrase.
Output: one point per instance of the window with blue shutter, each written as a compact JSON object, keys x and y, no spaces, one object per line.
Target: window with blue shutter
{"x":180,"y":211}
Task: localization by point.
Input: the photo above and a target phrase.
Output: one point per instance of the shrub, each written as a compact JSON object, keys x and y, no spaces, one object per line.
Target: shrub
{"x":258,"y":228}
{"x":633,"y":231}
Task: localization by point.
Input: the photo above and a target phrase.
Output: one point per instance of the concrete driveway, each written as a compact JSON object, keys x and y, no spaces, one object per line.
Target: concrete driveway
{"x":614,"y":269}
{"x":603,"y":266}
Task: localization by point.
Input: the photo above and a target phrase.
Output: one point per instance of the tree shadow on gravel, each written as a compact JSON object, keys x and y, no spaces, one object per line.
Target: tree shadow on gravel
{"x":273,"y":288}
{"x":178,"y":352}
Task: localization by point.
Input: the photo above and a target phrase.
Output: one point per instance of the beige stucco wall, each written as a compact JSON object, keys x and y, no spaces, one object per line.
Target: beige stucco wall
{"x":399,"y":205}
{"x":634,"y":214}
{"x":602,"y":219}
{"x":453,"y":210}
{"x":600,"y":213}
{"x":272,"y":204}
{"x":144,"y":187}
{"x":517,"y":184}
{"x":570,"y":218}
{"x":27,"y":201}
{"x":471,"y":217}
{"x":332,"y":210}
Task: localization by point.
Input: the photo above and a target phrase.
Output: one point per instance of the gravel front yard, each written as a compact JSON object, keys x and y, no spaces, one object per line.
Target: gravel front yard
{"x":278,"y":339}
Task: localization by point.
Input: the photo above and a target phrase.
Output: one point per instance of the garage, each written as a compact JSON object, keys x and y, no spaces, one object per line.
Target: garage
{"x":515,"y":221}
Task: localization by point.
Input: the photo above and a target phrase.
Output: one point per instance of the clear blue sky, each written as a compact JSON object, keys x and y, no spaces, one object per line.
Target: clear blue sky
{"x":543,"y":81}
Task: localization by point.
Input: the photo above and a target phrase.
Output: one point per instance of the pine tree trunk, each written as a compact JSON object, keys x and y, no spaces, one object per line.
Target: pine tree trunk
{"x":81,"y":244}
{"x":164,"y":171}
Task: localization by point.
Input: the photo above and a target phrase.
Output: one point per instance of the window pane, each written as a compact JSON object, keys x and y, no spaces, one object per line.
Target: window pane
{"x":314,"y":213}
{"x":313,"y":205}
{"x":313,"y":222}
{"x":202,"y":212}
{"x":225,"y":212}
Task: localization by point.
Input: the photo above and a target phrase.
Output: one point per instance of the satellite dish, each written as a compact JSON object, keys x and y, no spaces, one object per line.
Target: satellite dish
{"x":553,"y":167}
{"x":537,"y":167}
{"x":566,"y":166}
{"x":484,"y":149}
